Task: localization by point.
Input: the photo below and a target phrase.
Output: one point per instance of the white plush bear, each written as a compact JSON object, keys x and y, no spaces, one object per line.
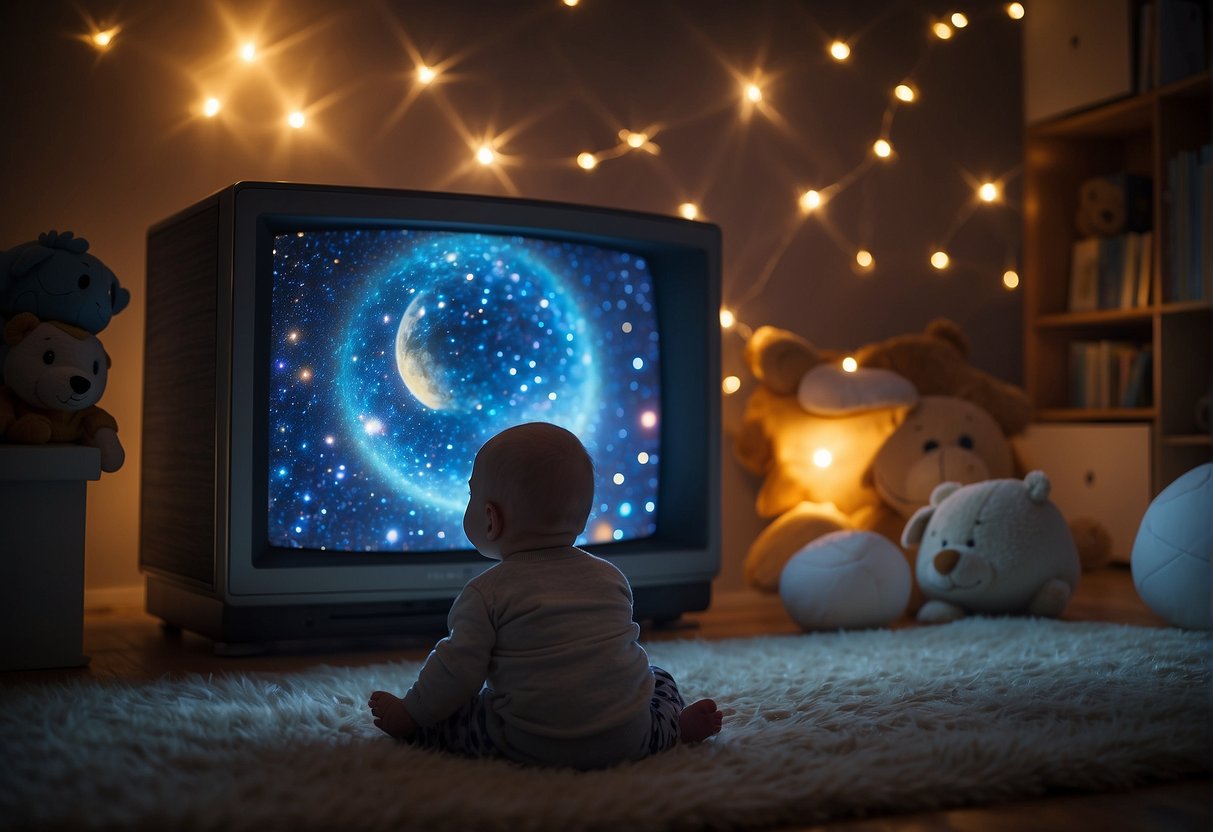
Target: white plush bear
{"x":998,"y":546}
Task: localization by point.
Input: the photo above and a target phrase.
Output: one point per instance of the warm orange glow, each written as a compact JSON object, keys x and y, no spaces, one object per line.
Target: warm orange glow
{"x":1010,"y":279}
{"x":940,"y":260}
{"x":882,"y":148}
{"x":688,"y":210}
{"x":810,"y":200}
{"x":839,"y":51}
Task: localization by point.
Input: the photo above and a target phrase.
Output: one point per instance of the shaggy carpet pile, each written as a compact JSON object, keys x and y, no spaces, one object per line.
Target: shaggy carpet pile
{"x":817,"y":727}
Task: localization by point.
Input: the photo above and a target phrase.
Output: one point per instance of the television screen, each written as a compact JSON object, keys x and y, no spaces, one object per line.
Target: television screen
{"x":396,"y":353}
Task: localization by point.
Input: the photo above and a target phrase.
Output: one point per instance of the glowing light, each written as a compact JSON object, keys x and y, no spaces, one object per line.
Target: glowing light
{"x":959,"y":20}
{"x":822,"y":458}
{"x":392,"y":535}
{"x":839,"y":51}
{"x":648,"y":419}
{"x":688,"y":210}
{"x":942,"y":30}
{"x":1015,"y":11}
{"x":618,"y":479}
{"x":810,"y":200}
{"x":248,"y":52}
{"x":636,"y":140}
{"x":373,"y":426}
{"x":296,"y":119}
{"x":485,"y":155}
{"x":730,"y":385}
{"x":305,"y":375}
{"x":940,"y":260}
{"x":102,"y":40}
{"x":988,"y":192}
{"x":864,"y":259}
{"x":587,"y":161}
{"x":1010,"y":279}
{"x":426,"y":74}
{"x":727,"y":318}
{"x":211,"y":107}
{"x":849,"y":364}
{"x":571,"y":3}
{"x":904,"y":92}
{"x":882,"y":148}
{"x":753,"y":92}
{"x":642,"y":458}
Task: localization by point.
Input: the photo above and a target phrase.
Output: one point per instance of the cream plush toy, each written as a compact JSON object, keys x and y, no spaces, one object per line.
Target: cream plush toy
{"x":993,"y":547}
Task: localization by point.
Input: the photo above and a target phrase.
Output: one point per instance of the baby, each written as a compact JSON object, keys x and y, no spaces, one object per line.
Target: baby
{"x":541,"y":664}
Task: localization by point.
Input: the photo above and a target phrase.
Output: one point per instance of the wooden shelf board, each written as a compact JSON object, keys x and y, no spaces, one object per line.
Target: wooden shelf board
{"x":1186,"y":440}
{"x":1096,"y":414}
{"x":1099,"y":317}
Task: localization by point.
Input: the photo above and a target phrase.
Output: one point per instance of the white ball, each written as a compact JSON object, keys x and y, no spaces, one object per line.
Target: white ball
{"x":1171,"y":555}
{"x":846,"y":580}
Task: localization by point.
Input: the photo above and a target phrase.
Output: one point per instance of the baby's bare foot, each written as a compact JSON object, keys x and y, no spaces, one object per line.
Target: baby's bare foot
{"x":699,"y":720}
{"x":391,"y":717}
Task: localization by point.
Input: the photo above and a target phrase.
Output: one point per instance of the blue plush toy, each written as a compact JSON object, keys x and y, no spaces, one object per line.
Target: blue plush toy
{"x":57,"y":279}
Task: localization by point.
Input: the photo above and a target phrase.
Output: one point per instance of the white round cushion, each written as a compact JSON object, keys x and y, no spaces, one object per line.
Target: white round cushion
{"x":846,"y":580}
{"x":1171,"y":554}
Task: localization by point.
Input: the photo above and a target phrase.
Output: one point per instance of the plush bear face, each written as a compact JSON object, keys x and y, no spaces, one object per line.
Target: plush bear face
{"x":944,"y":439}
{"x":989,"y":547}
{"x":54,"y":366}
{"x":58,"y":280}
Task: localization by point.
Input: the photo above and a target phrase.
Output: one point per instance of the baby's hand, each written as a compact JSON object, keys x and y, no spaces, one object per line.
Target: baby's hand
{"x":391,"y":717}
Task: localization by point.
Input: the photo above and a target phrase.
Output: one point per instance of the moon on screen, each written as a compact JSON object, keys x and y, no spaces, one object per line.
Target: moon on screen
{"x":424,"y":377}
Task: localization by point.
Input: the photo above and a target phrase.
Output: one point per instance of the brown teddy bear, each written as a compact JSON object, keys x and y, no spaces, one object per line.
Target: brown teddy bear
{"x":54,"y":373}
{"x":863,"y":450}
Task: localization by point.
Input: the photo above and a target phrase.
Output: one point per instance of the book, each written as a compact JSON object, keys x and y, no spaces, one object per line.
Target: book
{"x":1145,"y":268}
{"x":1181,"y":43}
{"x":1084,"y":275}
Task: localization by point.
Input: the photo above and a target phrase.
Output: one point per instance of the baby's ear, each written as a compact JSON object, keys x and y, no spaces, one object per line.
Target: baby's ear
{"x":493,"y":521}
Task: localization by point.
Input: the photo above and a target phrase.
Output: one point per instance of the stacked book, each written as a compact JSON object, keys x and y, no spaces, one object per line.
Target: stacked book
{"x":1111,"y":272}
{"x":1110,"y":374}
{"x":1189,"y":199}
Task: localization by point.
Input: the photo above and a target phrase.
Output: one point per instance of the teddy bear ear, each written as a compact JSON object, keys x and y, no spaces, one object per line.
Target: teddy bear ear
{"x":21,"y":325}
{"x":779,"y":358}
{"x":912,"y":534}
{"x":1038,"y":486}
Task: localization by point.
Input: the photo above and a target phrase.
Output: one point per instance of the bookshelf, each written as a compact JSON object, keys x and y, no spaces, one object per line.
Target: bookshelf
{"x":1141,"y":134}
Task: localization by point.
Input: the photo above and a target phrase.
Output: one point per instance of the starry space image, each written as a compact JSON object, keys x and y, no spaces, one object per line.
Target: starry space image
{"x":397,"y":353}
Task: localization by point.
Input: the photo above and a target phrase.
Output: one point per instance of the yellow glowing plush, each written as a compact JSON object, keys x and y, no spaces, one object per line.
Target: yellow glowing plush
{"x":863,"y":450}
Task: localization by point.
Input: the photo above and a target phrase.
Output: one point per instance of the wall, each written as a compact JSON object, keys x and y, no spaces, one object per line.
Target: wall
{"x":106,"y":142}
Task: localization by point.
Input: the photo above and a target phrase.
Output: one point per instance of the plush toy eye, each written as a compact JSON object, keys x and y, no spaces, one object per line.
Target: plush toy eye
{"x":83,"y":281}
{"x":965,"y":441}
{"x":970,"y":542}
{"x":48,"y":357}
{"x":930,"y":445}
{"x":96,"y":367}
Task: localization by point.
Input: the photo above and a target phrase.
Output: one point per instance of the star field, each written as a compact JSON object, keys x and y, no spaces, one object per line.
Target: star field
{"x":397,"y":353}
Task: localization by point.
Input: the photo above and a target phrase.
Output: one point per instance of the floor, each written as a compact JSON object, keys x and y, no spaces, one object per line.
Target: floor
{"x":127,"y":644}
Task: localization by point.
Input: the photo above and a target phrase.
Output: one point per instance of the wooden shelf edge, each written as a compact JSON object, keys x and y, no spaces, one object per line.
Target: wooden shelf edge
{"x":1188,"y":440}
{"x":1122,"y":116}
{"x":1095,"y":414}
{"x":1099,"y":317}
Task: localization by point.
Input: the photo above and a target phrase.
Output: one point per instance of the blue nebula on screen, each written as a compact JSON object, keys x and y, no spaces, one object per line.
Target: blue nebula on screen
{"x":397,"y":353}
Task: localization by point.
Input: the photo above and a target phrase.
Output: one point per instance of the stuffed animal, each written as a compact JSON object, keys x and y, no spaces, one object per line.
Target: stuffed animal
{"x":54,"y":374}
{"x":993,"y":547}
{"x":1172,"y":558}
{"x":1112,"y":205}
{"x":818,"y":435}
{"x":56,"y":278}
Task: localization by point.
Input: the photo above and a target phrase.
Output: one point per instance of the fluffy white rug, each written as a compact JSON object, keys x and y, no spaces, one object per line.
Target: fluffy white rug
{"x":816,"y":726}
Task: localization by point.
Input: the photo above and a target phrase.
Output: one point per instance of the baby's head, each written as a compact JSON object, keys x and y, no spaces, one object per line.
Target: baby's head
{"x":532,"y":487}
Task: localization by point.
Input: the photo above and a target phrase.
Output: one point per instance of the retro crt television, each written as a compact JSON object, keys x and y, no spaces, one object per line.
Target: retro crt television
{"x":322,"y":364}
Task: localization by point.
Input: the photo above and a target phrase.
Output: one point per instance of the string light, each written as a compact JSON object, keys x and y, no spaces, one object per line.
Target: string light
{"x":839,"y":51}
{"x":810,"y":201}
{"x":587,"y":161}
{"x":988,"y":192}
{"x":727,"y":318}
{"x":104,"y":38}
{"x":248,"y":52}
{"x":426,"y":74}
{"x":882,"y":148}
{"x":485,"y":155}
{"x":1010,"y":279}
{"x":730,"y":385}
{"x":864,"y":259}
{"x":940,"y":260}
{"x":822,"y":458}
{"x":296,"y":119}
{"x":959,"y":20}
{"x":849,"y":364}
{"x":1015,"y":11}
{"x":942,"y":30}
{"x":904,"y":92}
{"x":753,"y":92}
{"x":571,"y":3}
{"x":636,"y":140}
{"x":688,"y":210}
{"x":211,"y":107}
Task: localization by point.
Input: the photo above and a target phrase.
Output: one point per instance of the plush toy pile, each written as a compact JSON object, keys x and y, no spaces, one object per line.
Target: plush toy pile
{"x":54,"y":299}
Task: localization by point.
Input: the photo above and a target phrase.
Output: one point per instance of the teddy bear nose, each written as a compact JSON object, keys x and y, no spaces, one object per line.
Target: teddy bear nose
{"x":945,"y":561}
{"x":80,"y":385}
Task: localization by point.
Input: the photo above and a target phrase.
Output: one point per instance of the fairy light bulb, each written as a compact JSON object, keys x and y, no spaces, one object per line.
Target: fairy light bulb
{"x":211,"y":107}
{"x":587,"y":161}
{"x":904,"y":92}
{"x":822,"y":458}
{"x":959,"y":20}
{"x":727,"y":318}
{"x":942,"y":30}
{"x":248,"y":52}
{"x":636,"y":140}
{"x":988,"y":192}
{"x":864,"y":259}
{"x":688,"y":210}
{"x":849,"y":364}
{"x":882,"y":148}
{"x":426,"y":74}
{"x":730,"y":385}
{"x":839,"y":51}
{"x":296,"y":119}
{"x":1010,"y":279}
{"x":940,"y":260}
{"x":753,"y":92}
{"x":1015,"y":11}
{"x":810,"y":201}
{"x":485,"y":155}
{"x":571,"y":3}
{"x":103,"y":39}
